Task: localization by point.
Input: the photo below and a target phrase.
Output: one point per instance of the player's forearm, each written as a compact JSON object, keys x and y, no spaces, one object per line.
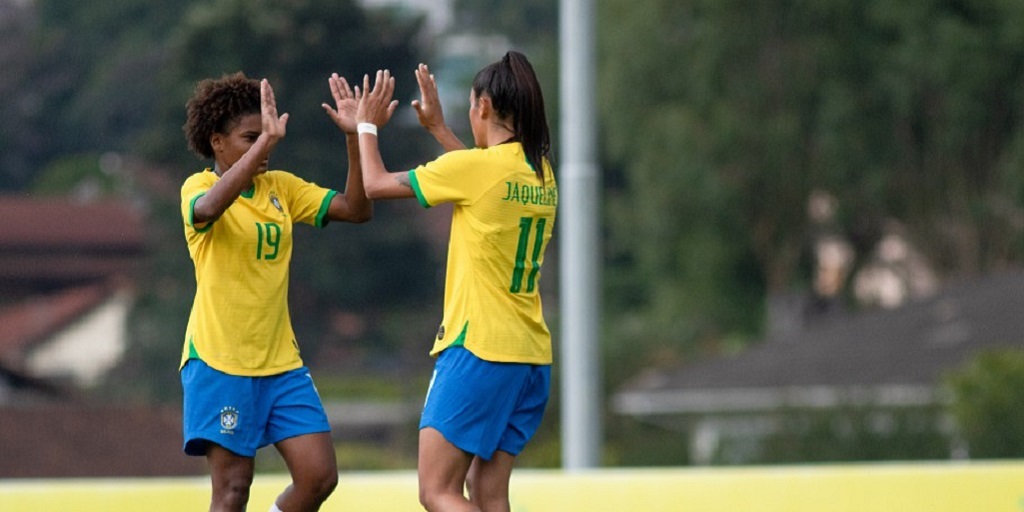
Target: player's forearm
{"x":446,"y":137}
{"x":372,"y":165}
{"x":232,"y":183}
{"x":378,"y":182}
{"x":360,"y":207}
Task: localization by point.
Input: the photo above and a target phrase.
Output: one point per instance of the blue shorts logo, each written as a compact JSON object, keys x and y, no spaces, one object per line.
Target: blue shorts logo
{"x":228,"y":420}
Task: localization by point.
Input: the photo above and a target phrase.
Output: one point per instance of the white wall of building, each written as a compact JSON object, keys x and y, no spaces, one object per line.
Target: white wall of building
{"x":89,"y":348}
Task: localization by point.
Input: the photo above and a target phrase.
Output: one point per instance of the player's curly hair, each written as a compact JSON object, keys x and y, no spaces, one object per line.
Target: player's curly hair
{"x":216,"y":106}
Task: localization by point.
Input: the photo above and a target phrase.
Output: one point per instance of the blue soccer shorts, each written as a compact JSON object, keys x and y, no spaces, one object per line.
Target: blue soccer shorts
{"x":244,"y":414}
{"x":482,"y":406}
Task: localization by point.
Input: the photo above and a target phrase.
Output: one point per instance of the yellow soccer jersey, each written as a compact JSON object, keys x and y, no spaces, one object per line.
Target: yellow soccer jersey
{"x":501,"y":223}
{"x":240,"y":322}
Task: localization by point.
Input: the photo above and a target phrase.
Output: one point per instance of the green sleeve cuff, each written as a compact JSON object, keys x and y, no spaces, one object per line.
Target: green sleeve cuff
{"x":325,"y":205}
{"x":191,"y":215}
{"x":416,"y":188}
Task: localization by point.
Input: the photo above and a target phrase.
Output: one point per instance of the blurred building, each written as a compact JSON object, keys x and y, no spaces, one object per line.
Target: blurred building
{"x":883,"y":360}
{"x":67,"y":275}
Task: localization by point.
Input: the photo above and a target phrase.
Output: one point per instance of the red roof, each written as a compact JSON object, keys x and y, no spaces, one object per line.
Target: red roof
{"x":59,"y":239}
{"x":64,"y":222}
{"x":42,"y":316}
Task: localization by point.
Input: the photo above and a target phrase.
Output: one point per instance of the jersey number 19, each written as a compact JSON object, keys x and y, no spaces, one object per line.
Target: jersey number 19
{"x":269,"y":234}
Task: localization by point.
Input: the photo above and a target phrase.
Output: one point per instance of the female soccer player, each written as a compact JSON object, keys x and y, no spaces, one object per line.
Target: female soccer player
{"x":492,"y":374}
{"x":244,"y":384}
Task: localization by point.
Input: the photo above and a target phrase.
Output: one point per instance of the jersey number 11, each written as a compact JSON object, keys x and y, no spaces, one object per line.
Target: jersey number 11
{"x":525,"y":226}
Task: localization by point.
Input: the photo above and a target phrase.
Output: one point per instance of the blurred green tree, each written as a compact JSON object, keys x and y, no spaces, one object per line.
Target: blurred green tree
{"x":988,"y":406}
{"x":110,"y":79}
{"x":18,"y":141}
{"x":724,"y":116}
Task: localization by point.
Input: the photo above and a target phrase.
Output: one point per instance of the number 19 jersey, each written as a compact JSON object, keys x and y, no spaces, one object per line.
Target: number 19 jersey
{"x":240,"y":323}
{"x":502,"y":221}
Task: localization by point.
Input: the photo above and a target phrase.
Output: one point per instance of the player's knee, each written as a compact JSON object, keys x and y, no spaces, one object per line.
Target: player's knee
{"x":329,"y":483}
{"x":321,"y":486}
{"x":477,"y":488}
{"x":430,"y":499}
{"x":484,"y":495}
{"x":486,"y":499}
{"x":471,"y":485}
{"x":425,"y":498}
{"x":233,"y":494}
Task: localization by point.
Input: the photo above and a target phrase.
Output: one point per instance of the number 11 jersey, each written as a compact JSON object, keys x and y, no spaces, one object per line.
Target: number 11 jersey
{"x":502,"y":222}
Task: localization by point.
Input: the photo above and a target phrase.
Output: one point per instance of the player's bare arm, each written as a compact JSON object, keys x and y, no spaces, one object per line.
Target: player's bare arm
{"x":376,"y":107}
{"x":350,"y":205}
{"x":403,"y":179}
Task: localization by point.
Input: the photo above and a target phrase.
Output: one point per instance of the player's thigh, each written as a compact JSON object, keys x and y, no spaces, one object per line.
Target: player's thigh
{"x":309,"y":457}
{"x":441,"y":466}
{"x":229,"y":470}
{"x":489,"y":479}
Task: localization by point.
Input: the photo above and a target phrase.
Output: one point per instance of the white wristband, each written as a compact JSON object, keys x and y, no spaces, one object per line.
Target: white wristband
{"x":366,"y":128}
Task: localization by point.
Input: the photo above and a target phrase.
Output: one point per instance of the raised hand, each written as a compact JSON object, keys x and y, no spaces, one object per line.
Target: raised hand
{"x":428,"y":110}
{"x":376,"y":105}
{"x":428,"y":107}
{"x":274,"y":127}
{"x":345,"y":104}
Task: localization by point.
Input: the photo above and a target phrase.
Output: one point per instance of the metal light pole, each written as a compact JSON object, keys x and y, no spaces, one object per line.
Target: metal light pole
{"x":580,"y":252}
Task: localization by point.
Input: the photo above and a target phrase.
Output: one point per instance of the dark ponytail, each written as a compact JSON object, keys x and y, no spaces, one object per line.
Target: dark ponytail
{"x":515,"y":94}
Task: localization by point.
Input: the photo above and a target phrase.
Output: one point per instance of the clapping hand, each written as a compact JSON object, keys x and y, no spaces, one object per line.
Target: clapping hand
{"x":428,"y":107}
{"x":376,"y":105}
{"x":274,"y":127}
{"x":345,"y":104}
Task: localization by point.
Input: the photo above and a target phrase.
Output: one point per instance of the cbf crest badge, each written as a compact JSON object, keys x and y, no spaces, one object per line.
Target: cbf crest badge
{"x":276,"y":202}
{"x":228,"y":420}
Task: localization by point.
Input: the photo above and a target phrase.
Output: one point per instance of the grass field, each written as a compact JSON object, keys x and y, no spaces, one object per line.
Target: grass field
{"x":949,"y":487}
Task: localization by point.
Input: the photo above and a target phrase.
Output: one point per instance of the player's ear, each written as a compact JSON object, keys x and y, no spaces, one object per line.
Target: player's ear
{"x":485,"y":106}
{"x":217,"y":142}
